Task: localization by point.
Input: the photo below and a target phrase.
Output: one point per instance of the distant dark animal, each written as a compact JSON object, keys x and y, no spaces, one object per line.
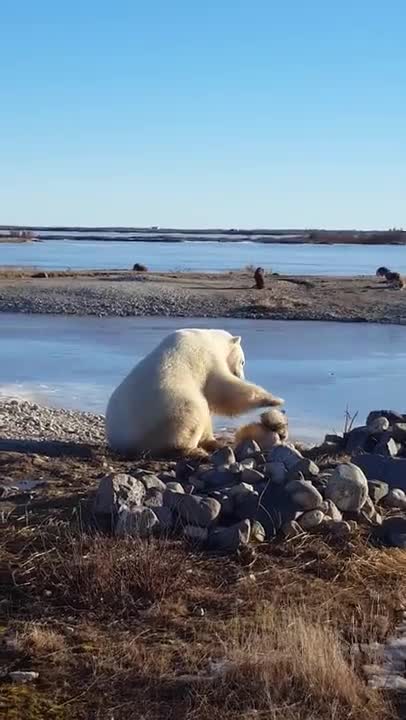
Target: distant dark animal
{"x":395,"y":280}
{"x":382,"y":271}
{"x":259,"y":277}
{"x":140,"y":268}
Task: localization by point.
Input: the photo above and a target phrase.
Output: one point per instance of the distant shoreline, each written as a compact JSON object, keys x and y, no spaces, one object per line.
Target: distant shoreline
{"x":173,"y":235}
{"x":125,"y":293}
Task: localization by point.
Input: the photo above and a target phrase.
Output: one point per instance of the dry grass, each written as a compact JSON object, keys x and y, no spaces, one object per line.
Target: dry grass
{"x":122,"y":629}
{"x":288,"y":667}
{"x":39,"y":640}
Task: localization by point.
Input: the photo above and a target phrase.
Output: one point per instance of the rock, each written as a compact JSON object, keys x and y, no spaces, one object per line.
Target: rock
{"x":311,"y":519}
{"x":347,"y":487}
{"x":396,"y":498}
{"x":218,"y":477}
{"x":252,"y":476}
{"x":229,"y":539}
{"x":137,"y":522}
{"x":285,"y":454}
{"x":378,"y":424}
{"x":245,"y":449}
{"x":392,"y":416}
{"x":223,"y":456}
{"x":359,"y":439}
{"x":246,"y":505}
{"x":197,"y":484}
{"x":22,"y":677}
{"x":152,"y":482}
{"x":291,"y":529}
{"x":257,"y":532}
{"x":368,"y":510}
{"x":331,"y":510}
{"x":165,"y":517}
{"x":304,"y":494}
{"x":196,"y":510}
{"x":184,"y":469}
{"x":389,"y":470}
{"x":154,"y":498}
{"x":195,"y":534}
{"x":247,"y":463}
{"x":399,"y":432}
{"x":275,"y":508}
{"x":227,"y":503}
{"x":276,"y":471}
{"x":340,"y":529}
{"x":240,"y":489}
{"x":167,"y":476}
{"x":175,"y":487}
{"x":172,"y":499}
{"x":386,"y":446}
{"x":392,"y":531}
{"x":334,"y":439}
{"x":309,"y":469}
{"x":377,"y":490}
{"x":116,"y":492}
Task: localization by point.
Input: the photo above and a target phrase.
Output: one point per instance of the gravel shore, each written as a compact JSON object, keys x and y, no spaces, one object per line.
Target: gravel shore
{"x":125,"y":293}
{"x":23,"y":420}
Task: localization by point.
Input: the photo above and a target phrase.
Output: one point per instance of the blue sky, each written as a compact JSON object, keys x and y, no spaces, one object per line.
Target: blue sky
{"x":197,"y":114}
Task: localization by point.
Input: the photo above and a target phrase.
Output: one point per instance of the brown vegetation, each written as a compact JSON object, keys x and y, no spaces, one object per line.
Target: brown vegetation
{"x":122,"y":628}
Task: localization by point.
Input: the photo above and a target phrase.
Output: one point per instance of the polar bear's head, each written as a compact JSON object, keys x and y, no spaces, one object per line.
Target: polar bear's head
{"x":236,"y":359}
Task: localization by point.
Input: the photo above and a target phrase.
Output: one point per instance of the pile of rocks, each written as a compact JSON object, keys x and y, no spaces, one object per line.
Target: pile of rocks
{"x":248,"y":494}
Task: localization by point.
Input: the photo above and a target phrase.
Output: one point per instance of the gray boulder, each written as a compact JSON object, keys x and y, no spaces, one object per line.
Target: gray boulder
{"x":246,"y":449}
{"x":396,"y":498}
{"x":137,"y":522}
{"x":392,"y":532}
{"x":392,"y":416}
{"x":275,"y":508}
{"x":252,"y":476}
{"x":399,"y":432}
{"x":195,"y":510}
{"x":311,"y":519}
{"x":174,"y":486}
{"x":309,"y":469}
{"x":195,"y":535}
{"x":286,"y":454}
{"x":152,"y":482}
{"x":386,"y":446}
{"x":154,"y":498}
{"x":165,"y":517}
{"x":331,"y":510}
{"x":276,"y":472}
{"x":223,"y":456}
{"x":377,"y":490}
{"x":229,"y":539}
{"x":378,"y":424}
{"x":347,"y":487}
{"x":304,"y":494}
{"x":389,"y":470}
{"x":117,"y":491}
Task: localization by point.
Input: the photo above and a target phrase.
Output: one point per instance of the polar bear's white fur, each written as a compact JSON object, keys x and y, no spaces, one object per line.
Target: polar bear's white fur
{"x":166,"y":402}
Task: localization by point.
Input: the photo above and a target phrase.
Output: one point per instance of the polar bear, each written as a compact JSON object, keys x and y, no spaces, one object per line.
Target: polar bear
{"x":165,"y":404}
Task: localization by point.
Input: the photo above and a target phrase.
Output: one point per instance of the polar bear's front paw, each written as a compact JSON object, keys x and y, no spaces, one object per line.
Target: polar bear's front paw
{"x":271,"y":401}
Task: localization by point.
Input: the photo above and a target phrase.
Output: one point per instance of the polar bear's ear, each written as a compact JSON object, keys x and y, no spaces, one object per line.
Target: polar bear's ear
{"x":236,"y":340}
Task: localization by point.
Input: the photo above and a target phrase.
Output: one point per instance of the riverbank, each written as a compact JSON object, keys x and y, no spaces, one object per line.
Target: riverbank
{"x":230,"y":235}
{"x":182,"y":294}
{"x":287,"y":628}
